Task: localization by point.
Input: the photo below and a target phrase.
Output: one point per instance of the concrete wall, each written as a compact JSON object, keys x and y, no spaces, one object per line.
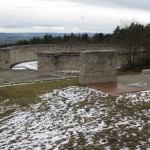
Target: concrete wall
{"x":5,"y":59}
{"x":49,"y":63}
{"x":68,"y":62}
{"x":98,"y":66}
{"x":46,"y":66}
{"x":16,"y":54}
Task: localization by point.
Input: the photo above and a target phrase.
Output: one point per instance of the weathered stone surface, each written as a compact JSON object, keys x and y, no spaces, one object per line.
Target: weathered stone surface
{"x":5,"y":59}
{"x":45,"y":64}
{"x":17,"y":54}
{"x":48,"y":63}
{"x":98,"y":66}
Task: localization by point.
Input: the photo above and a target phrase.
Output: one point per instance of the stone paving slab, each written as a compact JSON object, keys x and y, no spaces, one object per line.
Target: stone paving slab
{"x":116,"y":89}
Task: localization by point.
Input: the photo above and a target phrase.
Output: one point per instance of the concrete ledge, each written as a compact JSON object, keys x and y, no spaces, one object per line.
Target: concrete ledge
{"x":146,"y":71}
{"x":58,"y":54}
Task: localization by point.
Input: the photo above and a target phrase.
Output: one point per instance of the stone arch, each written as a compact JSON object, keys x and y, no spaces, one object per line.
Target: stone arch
{"x":17,"y":54}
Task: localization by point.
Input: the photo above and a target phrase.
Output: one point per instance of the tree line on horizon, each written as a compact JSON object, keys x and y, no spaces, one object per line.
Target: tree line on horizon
{"x":67,"y":38}
{"x":134,"y":36}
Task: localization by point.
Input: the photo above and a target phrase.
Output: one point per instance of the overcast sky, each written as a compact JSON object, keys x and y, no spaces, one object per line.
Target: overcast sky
{"x":70,"y":15}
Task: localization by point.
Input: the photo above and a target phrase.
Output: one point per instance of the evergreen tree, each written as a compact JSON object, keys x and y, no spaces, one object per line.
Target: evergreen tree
{"x":85,"y":38}
{"x":134,"y":37}
{"x":97,"y":38}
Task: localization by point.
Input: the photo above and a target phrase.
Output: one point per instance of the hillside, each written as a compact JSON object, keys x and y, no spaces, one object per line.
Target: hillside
{"x":14,"y":37}
{"x":62,"y":115}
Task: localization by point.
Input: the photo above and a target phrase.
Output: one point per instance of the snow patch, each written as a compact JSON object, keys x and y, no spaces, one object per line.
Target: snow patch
{"x":32,"y":65}
{"x":77,"y":114}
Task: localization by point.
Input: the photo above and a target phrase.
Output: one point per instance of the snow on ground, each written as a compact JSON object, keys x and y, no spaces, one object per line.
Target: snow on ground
{"x":32,"y":65}
{"x":69,"y":71}
{"x":79,"y":118}
{"x":139,"y":84}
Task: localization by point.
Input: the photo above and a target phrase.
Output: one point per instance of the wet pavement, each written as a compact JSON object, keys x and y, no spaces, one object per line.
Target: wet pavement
{"x":115,"y":89}
{"x":125,"y":84}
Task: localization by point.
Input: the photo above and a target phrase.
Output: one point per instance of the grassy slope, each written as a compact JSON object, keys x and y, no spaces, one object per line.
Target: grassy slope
{"x":118,"y":137}
{"x":23,"y":95}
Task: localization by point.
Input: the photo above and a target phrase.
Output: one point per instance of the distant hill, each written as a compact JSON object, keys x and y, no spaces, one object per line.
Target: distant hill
{"x":14,"y":37}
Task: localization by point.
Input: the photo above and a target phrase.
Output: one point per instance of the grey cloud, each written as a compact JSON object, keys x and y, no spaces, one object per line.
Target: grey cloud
{"x":68,"y":6}
{"x":82,"y":17}
{"x":10,"y":26}
{"x":23,"y":7}
{"x":36,"y":23}
{"x":138,"y":4}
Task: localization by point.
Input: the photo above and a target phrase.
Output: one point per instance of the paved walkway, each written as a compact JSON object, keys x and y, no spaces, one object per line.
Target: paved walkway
{"x":141,"y":79}
{"x":11,"y":77}
{"x":125,"y":84}
{"x":115,"y":89}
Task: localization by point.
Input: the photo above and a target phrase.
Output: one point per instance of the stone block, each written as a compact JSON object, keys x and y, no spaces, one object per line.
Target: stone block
{"x":49,"y":63}
{"x":98,"y":66}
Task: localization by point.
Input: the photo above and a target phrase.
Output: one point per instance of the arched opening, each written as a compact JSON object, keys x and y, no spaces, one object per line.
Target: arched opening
{"x":30,"y":65}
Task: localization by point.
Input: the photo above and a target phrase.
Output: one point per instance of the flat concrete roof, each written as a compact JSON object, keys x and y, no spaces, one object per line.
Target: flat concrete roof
{"x":58,"y":53}
{"x":96,"y":51}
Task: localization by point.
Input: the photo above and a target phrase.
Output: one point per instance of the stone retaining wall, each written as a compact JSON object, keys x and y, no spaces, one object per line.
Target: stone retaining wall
{"x":12,"y":55}
{"x":48,"y":63}
{"x":95,"y":66}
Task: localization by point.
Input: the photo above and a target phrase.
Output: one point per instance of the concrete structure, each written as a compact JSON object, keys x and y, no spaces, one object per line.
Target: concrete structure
{"x":98,"y":66}
{"x":13,"y":55}
{"x":146,"y":71}
{"x":49,"y":63}
{"x":4,"y":59}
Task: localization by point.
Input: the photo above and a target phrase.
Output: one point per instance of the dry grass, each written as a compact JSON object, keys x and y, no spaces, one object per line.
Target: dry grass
{"x":126,"y":120}
{"x":24,"y":95}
